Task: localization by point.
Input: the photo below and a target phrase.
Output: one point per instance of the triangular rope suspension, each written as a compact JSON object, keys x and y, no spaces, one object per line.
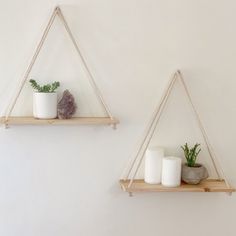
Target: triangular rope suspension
{"x":57,"y":12}
{"x":149,"y":132}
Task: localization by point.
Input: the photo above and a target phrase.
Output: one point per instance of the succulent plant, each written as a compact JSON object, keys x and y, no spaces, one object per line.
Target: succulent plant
{"x":48,"y":88}
{"x":191,"y":154}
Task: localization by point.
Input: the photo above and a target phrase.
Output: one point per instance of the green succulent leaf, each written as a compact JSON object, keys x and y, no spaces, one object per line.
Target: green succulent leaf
{"x":191,"y":154}
{"x":48,"y":88}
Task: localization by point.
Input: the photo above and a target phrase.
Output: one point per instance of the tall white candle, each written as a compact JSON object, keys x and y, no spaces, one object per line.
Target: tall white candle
{"x":153,"y":165}
{"x":171,"y":171}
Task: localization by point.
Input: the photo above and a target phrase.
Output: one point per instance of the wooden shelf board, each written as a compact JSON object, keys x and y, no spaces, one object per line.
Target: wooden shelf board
{"x":209,"y":185}
{"x":73,"y":121}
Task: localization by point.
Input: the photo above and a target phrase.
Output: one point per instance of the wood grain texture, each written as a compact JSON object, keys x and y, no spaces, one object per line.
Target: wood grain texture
{"x":72,"y":121}
{"x":209,"y":185}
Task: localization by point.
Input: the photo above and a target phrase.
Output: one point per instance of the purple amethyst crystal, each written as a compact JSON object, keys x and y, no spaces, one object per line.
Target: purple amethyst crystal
{"x":66,"y":107}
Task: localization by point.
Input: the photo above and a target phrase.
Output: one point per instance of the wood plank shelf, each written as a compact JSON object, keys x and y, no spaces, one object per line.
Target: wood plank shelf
{"x":25,"y":120}
{"x":209,"y":185}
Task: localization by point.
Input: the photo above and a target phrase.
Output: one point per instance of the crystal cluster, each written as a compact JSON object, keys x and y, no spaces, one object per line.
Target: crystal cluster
{"x":66,"y":107}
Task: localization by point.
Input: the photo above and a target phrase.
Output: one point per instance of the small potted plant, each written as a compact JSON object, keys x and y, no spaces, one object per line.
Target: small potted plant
{"x":192,"y":172}
{"x":44,"y":100}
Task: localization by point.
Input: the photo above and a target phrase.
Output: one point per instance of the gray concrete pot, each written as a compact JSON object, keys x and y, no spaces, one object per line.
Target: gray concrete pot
{"x":194,"y":175}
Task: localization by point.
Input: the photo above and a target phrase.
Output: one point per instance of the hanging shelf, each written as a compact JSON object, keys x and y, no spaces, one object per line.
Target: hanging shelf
{"x":27,"y":120}
{"x":130,"y":184}
{"x":209,"y":185}
{"x":10,"y":120}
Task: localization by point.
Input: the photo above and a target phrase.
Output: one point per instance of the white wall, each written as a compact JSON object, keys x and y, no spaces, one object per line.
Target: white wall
{"x":64,"y":180}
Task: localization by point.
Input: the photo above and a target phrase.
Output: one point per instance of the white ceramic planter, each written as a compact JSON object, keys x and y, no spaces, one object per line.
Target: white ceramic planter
{"x":45,"y":105}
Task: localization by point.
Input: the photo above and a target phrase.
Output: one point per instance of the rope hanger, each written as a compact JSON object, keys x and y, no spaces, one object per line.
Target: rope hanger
{"x":149,"y":132}
{"x":57,"y":12}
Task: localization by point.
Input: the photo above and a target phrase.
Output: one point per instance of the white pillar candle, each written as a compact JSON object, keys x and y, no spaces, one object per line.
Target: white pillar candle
{"x":171,"y":171}
{"x":153,"y":165}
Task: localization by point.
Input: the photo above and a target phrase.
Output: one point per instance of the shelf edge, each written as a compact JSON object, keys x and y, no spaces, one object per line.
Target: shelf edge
{"x":124,"y":183}
{"x":22,"y":120}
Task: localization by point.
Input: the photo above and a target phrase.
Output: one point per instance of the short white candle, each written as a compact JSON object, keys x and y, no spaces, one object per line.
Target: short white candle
{"x":153,"y":165}
{"x":171,"y":171}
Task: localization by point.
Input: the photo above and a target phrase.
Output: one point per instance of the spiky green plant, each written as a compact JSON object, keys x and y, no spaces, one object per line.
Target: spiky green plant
{"x":191,"y":154}
{"x":48,"y":88}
